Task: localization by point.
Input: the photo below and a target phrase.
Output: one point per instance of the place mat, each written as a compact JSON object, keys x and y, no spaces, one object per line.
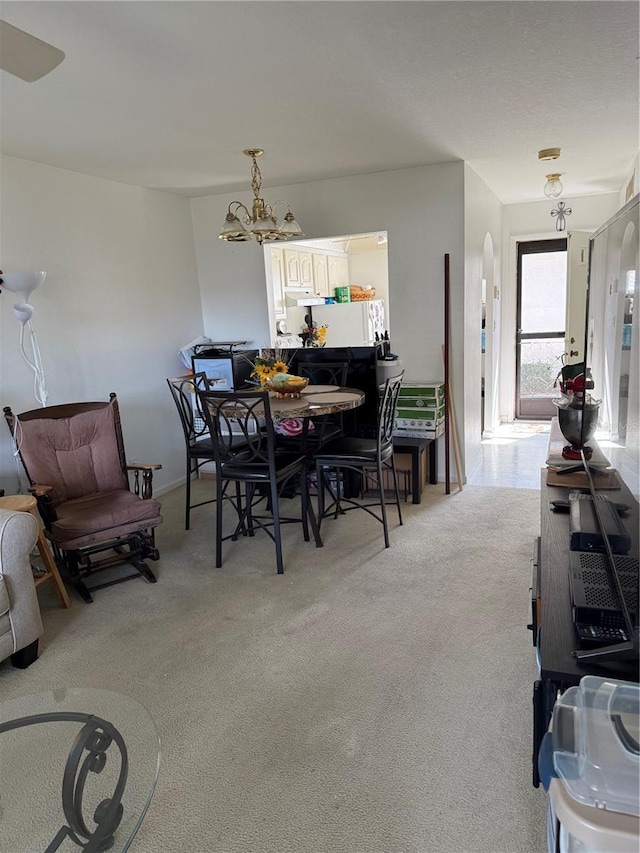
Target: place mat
{"x":579,"y":480}
{"x":285,"y":403}
{"x":328,"y":399}
{"x":319,"y":389}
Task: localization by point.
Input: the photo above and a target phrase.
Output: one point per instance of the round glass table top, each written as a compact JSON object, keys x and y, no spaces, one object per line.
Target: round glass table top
{"x":79,"y":768}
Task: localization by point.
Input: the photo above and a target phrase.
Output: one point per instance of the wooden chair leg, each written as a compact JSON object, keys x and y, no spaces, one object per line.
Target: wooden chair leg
{"x":51,"y":568}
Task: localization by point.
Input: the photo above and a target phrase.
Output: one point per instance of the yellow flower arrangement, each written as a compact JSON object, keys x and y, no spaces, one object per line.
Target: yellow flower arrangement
{"x":267,"y":365}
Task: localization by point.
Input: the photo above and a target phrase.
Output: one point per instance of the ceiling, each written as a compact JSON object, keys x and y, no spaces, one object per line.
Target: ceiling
{"x":168,"y":94}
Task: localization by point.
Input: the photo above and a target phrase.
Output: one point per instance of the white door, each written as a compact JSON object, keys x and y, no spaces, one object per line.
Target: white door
{"x":577,"y":267}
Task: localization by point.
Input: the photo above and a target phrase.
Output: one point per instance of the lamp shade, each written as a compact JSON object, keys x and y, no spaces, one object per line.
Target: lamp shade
{"x":233,"y":230}
{"x":553,"y":188}
{"x":23,"y":312}
{"x":23,"y":282}
{"x":290,"y":227}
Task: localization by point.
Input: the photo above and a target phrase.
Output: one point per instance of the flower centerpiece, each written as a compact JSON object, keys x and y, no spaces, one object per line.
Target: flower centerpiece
{"x":271,"y":371}
{"x":267,"y":365}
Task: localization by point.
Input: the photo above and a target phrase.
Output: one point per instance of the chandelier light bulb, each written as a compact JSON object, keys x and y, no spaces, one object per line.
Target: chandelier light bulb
{"x":553,"y":188}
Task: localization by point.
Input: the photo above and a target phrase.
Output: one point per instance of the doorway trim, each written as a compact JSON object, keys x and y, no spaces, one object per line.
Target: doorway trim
{"x":532,"y":247}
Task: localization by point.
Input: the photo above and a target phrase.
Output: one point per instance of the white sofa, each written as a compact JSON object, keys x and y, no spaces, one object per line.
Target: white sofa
{"x":20,"y":622}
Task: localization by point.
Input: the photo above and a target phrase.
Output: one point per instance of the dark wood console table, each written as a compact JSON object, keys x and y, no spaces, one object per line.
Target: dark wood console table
{"x":554,"y":633}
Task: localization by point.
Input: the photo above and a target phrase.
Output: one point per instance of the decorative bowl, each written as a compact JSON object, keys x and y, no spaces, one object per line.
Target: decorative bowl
{"x":287,"y":385}
{"x":570,"y":420}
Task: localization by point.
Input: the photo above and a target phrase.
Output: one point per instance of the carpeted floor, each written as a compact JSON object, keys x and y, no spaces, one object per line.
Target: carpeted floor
{"x":367,"y":701}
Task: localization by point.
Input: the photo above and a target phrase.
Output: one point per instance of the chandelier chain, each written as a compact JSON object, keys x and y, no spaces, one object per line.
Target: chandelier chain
{"x":256,"y":178}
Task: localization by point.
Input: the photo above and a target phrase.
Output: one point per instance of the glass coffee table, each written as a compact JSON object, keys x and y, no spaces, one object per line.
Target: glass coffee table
{"x":79,"y":768}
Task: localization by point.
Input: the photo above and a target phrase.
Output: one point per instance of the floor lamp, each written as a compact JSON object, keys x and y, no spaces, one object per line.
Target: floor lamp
{"x":24,"y":283}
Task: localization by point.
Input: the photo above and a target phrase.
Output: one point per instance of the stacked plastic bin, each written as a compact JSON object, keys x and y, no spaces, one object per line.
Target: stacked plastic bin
{"x":594,"y":795}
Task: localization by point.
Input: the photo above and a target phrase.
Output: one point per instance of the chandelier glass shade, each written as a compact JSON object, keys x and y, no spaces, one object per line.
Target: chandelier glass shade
{"x":259,"y":223}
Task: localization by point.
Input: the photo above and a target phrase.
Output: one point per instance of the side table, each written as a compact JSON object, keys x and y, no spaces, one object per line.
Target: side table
{"x":416,"y":447}
{"x":27,"y":503}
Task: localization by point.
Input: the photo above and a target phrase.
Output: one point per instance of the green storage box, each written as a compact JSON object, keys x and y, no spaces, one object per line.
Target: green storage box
{"x":342,"y":294}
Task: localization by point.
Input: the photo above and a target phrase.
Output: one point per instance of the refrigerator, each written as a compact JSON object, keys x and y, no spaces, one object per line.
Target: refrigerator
{"x":351,"y":324}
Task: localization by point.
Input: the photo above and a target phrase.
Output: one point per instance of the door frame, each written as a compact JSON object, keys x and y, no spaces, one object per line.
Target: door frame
{"x":532,"y":247}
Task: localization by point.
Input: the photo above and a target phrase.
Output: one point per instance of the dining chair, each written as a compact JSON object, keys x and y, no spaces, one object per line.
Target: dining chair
{"x":322,"y":429}
{"x":199,"y":449}
{"x":366,"y":458}
{"x":256,"y":464}
{"x":326,"y":427}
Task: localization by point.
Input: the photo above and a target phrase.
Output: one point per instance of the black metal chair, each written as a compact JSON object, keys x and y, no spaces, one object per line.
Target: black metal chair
{"x":326,"y":427}
{"x":257,"y":465}
{"x":196,"y":432}
{"x":365,"y":457}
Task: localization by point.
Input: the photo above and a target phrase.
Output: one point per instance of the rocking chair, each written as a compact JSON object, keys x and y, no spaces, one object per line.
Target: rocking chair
{"x":73,"y":456}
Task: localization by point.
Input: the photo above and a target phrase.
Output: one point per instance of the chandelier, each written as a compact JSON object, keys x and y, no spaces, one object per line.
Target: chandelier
{"x":260,"y":223}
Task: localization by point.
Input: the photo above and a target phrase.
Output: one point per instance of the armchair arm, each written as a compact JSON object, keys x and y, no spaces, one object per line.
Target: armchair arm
{"x":147,"y":478}
{"x":39,"y":490}
{"x":45,"y":504}
{"x":18,"y":599}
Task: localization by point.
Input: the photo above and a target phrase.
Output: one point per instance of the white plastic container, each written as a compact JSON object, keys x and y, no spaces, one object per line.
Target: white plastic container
{"x":596,"y":795}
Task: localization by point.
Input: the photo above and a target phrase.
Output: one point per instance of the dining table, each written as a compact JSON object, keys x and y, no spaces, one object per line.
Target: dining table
{"x":315,"y":401}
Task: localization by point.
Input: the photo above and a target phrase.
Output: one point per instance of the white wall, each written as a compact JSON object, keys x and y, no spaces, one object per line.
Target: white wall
{"x":121,"y":296}
{"x":482,"y":228}
{"x":422,"y":211}
{"x":372,"y":269}
{"x":533,"y":221}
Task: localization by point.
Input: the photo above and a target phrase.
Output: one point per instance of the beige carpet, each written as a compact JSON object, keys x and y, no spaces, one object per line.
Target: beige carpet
{"x":367,"y":701}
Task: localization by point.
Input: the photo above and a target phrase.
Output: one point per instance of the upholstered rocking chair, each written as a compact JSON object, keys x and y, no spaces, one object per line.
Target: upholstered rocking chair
{"x":73,"y":456}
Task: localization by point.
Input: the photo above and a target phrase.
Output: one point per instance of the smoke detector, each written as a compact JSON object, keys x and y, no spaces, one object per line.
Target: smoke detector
{"x":549,"y":154}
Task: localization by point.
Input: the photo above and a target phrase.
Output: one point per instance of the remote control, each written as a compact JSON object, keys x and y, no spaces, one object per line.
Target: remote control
{"x":601,"y":636}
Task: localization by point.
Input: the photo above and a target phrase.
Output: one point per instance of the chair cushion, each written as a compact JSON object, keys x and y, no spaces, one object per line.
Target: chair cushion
{"x":352,"y":451}
{"x":77,"y":455}
{"x":101,"y":517}
{"x":287,"y":464}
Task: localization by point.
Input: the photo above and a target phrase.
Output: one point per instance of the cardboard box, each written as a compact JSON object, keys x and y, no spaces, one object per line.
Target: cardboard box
{"x":342,"y":294}
{"x":428,"y":391}
{"x":416,"y":422}
{"x":416,"y":432}
{"x":404,"y":484}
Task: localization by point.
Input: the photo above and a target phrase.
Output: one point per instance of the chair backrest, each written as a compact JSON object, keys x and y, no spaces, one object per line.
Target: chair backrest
{"x":327,"y":373}
{"x":76,"y":448}
{"x":387,"y":410}
{"x":241,"y":427}
{"x":184,"y":392}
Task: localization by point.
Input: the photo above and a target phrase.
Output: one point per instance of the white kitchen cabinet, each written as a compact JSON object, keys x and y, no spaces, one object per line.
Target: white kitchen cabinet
{"x":305,"y":264}
{"x":278,"y":282}
{"x":320,"y":275}
{"x":292,"y":267}
{"x":338,"y":273}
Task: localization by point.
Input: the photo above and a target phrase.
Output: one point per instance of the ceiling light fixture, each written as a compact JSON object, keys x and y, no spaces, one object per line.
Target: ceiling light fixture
{"x":549,"y":154}
{"x":553,"y":188}
{"x":260,"y":224}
